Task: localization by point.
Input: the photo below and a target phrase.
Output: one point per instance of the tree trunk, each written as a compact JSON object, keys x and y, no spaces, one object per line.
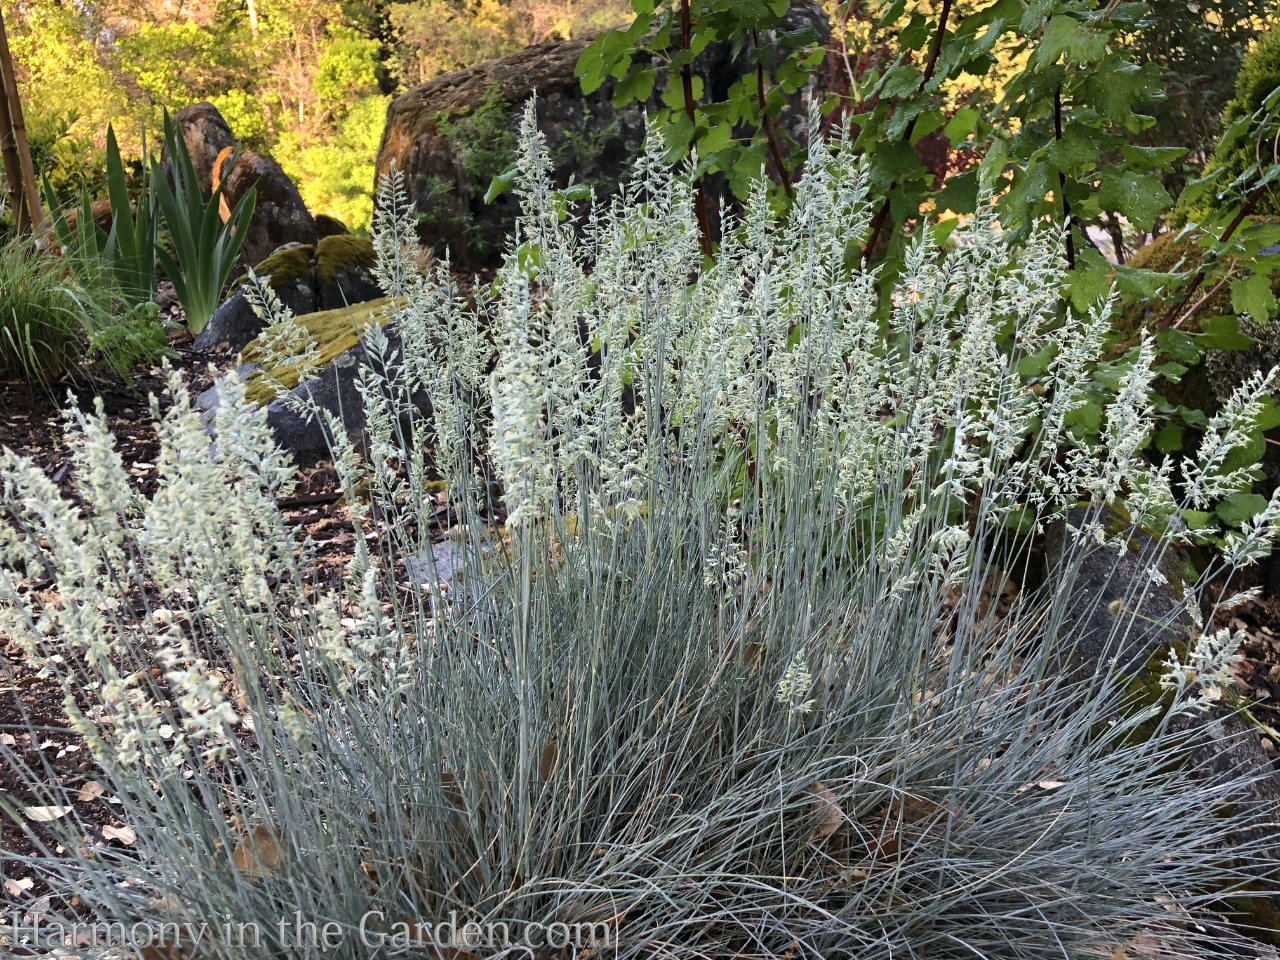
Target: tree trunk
{"x":26,"y":197}
{"x":9,"y":156}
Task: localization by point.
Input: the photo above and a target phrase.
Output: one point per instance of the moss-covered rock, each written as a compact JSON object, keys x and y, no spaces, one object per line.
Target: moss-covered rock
{"x":327,"y":226}
{"x":342,"y":252}
{"x":287,"y":266}
{"x":1101,"y":581}
{"x":1208,"y":386}
{"x":332,"y":386}
{"x":335,"y":331}
{"x":289,"y":273}
{"x":1165,"y":254}
{"x":332,"y":274}
{"x":1128,"y":613}
{"x":343,"y":270}
{"x":337,"y":259}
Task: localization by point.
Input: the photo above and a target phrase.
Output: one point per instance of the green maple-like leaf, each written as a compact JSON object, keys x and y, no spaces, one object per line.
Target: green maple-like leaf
{"x":1139,"y":197}
{"x":1253,"y":296}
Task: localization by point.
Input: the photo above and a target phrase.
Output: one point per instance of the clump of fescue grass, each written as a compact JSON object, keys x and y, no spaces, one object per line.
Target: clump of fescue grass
{"x":724,"y":684}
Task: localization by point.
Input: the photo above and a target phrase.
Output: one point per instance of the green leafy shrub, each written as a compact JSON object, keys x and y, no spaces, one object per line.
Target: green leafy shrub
{"x":335,"y":175}
{"x":128,"y":338}
{"x":247,"y":116}
{"x":348,"y":69}
{"x":722,"y":684}
{"x":204,"y":248}
{"x":184,"y":60}
{"x":67,"y":161}
{"x":734,"y":134}
{"x":1074,"y":130}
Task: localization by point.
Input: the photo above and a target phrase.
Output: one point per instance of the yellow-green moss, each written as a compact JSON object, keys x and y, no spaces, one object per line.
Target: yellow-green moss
{"x":342,"y":252}
{"x":336,"y":331}
{"x":285,"y":267}
{"x":1163,"y":255}
{"x":1257,"y":913}
{"x":324,"y":261}
{"x":1259,"y":75}
{"x":1145,"y":689}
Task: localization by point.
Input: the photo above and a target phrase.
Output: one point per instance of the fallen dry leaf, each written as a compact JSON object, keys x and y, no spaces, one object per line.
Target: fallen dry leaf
{"x":258,"y":854}
{"x":45,"y":814}
{"x":826,"y":808}
{"x":124,"y":834}
{"x":91,"y":791}
{"x":17,"y":888}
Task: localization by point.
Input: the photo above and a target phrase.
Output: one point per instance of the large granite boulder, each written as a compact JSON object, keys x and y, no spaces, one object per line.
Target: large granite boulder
{"x":452,"y":135}
{"x":334,"y":273}
{"x":206,"y":135}
{"x":342,"y":335}
{"x":1111,"y":621}
{"x":279,"y":215}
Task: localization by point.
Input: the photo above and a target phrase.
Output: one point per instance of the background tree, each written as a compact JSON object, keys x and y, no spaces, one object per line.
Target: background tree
{"x":14,"y":149}
{"x":305,"y":80}
{"x":292,"y":77}
{"x":434,"y":36}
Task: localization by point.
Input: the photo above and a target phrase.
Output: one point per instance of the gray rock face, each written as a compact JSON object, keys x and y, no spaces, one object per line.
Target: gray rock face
{"x":206,"y":135}
{"x":279,"y":215}
{"x":1098,"y":629}
{"x":333,"y":389}
{"x":350,"y":284}
{"x":1220,"y":745}
{"x":444,"y":135}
